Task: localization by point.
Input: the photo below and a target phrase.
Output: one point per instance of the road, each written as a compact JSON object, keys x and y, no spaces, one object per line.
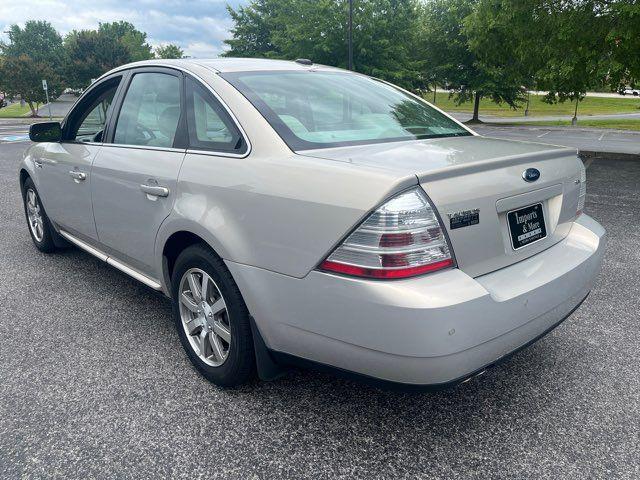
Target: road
{"x":60,"y":107}
{"x":95,"y":383}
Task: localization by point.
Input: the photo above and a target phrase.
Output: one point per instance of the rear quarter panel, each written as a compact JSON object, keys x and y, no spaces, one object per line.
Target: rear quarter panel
{"x":282,"y":214}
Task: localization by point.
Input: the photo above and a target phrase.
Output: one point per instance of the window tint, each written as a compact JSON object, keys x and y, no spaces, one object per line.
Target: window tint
{"x":89,"y":122}
{"x":150,"y":111}
{"x":210,"y":127}
{"x":316,"y":109}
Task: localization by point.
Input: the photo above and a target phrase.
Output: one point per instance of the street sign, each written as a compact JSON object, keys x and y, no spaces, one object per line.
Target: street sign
{"x":46,"y":91}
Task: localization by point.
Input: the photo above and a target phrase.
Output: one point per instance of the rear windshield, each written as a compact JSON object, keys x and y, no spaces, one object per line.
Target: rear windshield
{"x":311,"y":109}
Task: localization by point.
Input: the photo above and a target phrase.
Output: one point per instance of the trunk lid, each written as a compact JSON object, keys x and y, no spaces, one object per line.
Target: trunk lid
{"x":465,"y":174}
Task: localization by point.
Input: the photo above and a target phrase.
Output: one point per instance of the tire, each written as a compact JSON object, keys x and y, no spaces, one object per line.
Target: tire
{"x":40,"y":228}
{"x":209,"y":324}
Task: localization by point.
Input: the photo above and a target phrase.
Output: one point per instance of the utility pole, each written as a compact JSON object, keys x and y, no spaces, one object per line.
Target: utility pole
{"x":350,"y":61}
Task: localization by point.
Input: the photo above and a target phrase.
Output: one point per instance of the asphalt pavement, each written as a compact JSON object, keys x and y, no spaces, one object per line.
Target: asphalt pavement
{"x":94,"y":382}
{"x":586,"y":139}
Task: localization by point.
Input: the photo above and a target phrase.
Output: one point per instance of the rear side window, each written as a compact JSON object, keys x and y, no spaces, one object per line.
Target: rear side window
{"x":210,"y":126}
{"x":150,"y":111}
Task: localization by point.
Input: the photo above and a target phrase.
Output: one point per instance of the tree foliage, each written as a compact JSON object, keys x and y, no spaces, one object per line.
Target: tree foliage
{"x":384,"y":40}
{"x":130,"y":37}
{"x":574,"y":48}
{"x":33,"y":53}
{"x":470,"y":53}
{"x":169,"y":51}
{"x":89,"y":54}
{"x":623,"y":41}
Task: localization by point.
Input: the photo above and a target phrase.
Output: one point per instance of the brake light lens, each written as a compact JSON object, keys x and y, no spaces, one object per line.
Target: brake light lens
{"x":402,"y":238}
{"x":582,"y":193}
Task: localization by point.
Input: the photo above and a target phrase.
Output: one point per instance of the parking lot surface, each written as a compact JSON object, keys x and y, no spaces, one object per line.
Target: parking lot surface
{"x":589,"y":139}
{"x":94,"y":382}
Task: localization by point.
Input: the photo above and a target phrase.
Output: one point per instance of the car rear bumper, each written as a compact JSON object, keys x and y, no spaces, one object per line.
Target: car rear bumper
{"x":426,"y":330}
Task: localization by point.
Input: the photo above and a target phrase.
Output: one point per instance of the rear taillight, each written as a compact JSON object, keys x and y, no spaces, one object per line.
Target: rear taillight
{"x":401,"y":239}
{"x":582,"y":193}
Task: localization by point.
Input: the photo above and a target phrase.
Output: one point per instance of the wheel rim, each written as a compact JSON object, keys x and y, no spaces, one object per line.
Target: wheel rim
{"x":34,"y":215}
{"x":205,"y":317}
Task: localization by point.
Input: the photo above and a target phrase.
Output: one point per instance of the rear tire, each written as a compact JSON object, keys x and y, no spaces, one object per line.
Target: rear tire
{"x":40,"y":228}
{"x":211,"y":318}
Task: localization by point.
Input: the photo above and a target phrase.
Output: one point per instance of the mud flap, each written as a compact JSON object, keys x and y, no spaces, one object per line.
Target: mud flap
{"x":268,"y":369}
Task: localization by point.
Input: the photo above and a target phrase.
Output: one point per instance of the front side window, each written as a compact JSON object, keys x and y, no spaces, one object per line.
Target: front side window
{"x":312,"y":109}
{"x":210,"y":127}
{"x":88,"y":124}
{"x":150,"y":111}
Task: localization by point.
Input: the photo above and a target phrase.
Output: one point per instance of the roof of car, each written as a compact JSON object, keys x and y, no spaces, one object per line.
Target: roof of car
{"x":229,"y":64}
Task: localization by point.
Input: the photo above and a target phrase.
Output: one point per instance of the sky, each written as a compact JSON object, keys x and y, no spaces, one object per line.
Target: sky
{"x":197,"y":26}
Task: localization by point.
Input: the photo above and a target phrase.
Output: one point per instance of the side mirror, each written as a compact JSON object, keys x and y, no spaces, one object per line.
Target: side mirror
{"x":45,"y":132}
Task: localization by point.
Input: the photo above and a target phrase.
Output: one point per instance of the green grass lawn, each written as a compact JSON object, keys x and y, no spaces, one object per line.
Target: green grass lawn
{"x":14,"y":110}
{"x":620,"y":124}
{"x":588,"y":106}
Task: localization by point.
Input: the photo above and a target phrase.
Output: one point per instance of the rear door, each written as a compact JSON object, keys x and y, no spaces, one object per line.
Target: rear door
{"x":66,"y":166}
{"x":135,"y":173}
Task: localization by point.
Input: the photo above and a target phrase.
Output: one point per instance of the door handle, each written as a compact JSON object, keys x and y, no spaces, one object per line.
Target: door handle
{"x":155,"y":190}
{"x":78,"y":176}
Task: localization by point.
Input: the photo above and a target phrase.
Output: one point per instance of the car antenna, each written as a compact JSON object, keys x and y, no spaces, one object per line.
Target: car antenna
{"x":304,"y":61}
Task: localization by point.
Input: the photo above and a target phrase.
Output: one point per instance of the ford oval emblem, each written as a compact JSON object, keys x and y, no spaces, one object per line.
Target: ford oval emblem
{"x":531,"y":174}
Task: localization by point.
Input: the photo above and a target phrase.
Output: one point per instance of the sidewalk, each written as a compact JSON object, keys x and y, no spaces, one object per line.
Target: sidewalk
{"x":464,"y":117}
{"x":589,"y":94}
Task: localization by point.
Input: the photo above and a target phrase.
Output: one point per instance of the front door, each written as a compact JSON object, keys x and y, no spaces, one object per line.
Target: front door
{"x":66,"y":166}
{"x":134,"y":176}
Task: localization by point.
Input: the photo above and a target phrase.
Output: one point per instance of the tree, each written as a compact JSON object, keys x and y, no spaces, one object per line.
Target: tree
{"x":23,"y":76}
{"x":384,"y":43}
{"x":169,"y":51}
{"x":500,"y":35}
{"x":89,"y":54}
{"x":251,"y":33}
{"x":34,"y":53}
{"x":133,"y":39}
{"x":575,"y":50}
{"x":467,"y":53}
{"x":624,"y":42}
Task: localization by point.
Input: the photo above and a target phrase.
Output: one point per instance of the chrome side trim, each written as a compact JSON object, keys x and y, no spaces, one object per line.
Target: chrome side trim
{"x":85,"y":246}
{"x":144,"y":147}
{"x":212,"y":153}
{"x":149,"y":282}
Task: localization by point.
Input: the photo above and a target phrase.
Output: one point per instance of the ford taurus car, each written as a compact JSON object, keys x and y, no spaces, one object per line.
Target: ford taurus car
{"x":294,"y":212}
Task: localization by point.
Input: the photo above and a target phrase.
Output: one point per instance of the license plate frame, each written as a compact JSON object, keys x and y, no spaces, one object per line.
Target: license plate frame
{"x":526,"y":225}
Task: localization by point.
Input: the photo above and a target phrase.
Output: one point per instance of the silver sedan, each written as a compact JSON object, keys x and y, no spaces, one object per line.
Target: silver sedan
{"x":301,"y":214}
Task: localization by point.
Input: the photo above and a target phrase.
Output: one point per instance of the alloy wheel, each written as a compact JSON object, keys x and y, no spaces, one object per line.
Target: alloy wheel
{"x":205,"y":317}
{"x":34,"y":214}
